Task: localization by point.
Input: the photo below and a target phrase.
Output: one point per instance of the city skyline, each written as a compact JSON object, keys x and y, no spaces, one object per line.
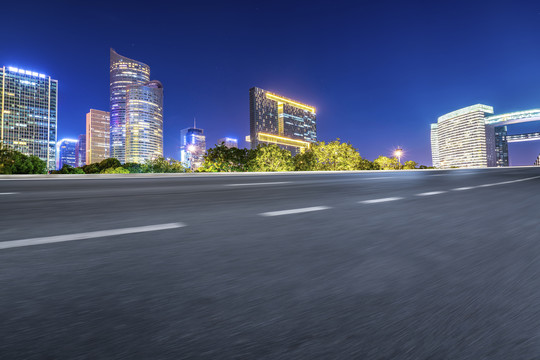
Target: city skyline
{"x":372,"y":85}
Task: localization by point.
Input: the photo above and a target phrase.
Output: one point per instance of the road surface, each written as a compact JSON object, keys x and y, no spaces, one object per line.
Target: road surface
{"x":367,"y":265}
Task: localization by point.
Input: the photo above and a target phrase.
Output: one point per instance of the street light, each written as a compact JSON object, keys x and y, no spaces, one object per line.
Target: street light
{"x":398,"y":153}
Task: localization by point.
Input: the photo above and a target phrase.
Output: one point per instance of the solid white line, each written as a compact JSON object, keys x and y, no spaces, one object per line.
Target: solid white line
{"x":464,"y":188}
{"x":374,"y":201}
{"x":295,"y":211}
{"x":263,"y":183}
{"x":509,"y":182}
{"x":87,"y":235}
{"x":8,"y":193}
{"x":431,"y":193}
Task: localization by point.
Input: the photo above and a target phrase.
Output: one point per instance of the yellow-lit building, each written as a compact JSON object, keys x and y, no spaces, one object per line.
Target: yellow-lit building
{"x":97,"y":136}
{"x":275,"y":119}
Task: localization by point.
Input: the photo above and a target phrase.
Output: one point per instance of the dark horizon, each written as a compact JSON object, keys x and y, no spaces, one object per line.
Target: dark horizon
{"x":378,"y":74}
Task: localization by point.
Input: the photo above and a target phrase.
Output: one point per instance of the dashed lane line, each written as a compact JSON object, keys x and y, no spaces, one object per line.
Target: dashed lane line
{"x":87,"y":235}
{"x":295,"y":211}
{"x":431,"y":193}
{"x":258,"y":184}
{"x":375,"y":201}
{"x":8,"y":193}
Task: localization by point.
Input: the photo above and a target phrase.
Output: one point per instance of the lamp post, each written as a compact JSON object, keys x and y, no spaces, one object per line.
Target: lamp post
{"x":398,"y":153}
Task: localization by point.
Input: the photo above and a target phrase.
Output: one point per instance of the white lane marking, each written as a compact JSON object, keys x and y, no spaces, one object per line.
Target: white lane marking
{"x":431,"y":193}
{"x":263,"y":183}
{"x":87,"y":235}
{"x":464,"y":188}
{"x":374,"y":201}
{"x":8,"y":193}
{"x":439,"y":175}
{"x":509,"y":182}
{"x":295,"y":211}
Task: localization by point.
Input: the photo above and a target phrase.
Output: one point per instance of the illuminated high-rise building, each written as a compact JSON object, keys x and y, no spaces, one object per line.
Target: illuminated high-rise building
{"x":192,"y":147}
{"x":275,"y":119}
{"x":434,"y":146}
{"x":66,"y":149}
{"x":123,"y":73}
{"x":80,"y":151}
{"x":28,"y":110}
{"x":228,"y":142}
{"x":144,"y":122}
{"x":97,"y":136}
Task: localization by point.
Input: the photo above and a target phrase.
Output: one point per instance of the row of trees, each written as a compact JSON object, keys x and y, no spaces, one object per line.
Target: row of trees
{"x":113,"y":166}
{"x":15,"y":162}
{"x":322,"y":156}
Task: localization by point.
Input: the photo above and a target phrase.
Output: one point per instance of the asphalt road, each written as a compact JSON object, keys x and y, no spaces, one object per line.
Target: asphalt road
{"x":372,"y":265}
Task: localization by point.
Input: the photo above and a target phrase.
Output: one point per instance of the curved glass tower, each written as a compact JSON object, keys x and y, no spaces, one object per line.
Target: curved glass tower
{"x":123,"y":72}
{"x":144,"y":122}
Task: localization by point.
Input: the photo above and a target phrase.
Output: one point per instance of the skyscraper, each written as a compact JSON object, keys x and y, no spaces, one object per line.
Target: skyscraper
{"x":97,"y":136}
{"x":66,"y":153}
{"x":229,"y":142}
{"x":28,"y":112}
{"x":144,"y":122}
{"x":435,"y":146}
{"x":462,"y":139}
{"x":80,"y":151}
{"x":123,"y":72}
{"x":192,"y":147}
{"x":275,"y":119}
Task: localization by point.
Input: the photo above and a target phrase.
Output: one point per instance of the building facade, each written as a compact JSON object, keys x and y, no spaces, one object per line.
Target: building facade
{"x":66,"y":149}
{"x":474,"y":137}
{"x":123,"y":73}
{"x":97,"y":136}
{"x":228,"y":142}
{"x":461,"y":138}
{"x":144,"y":122}
{"x":80,"y":151}
{"x":275,"y":119}
{"x":28,"y":110}
{"x":192,"y":147}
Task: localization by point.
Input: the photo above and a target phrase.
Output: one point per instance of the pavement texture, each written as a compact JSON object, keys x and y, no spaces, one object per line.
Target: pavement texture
{"x":443,"y":265}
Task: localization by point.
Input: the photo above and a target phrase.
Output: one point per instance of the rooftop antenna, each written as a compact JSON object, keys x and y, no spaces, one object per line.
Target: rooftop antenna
{"x":194,"y":123}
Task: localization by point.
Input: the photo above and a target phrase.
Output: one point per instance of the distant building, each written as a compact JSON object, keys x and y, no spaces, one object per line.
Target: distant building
{"x":123,"y":72}
{"x":97,"y":136}
{"x":28,"y":110}
{"x":192,"y":147}
{"x":229,"y":142}
{"x":66,"y":153}
{"x":274,"y":119}
{"x":144,"y":122}
{"x":80,"y":151}
{"x":537,"y":162}
{"x":474,"y":137}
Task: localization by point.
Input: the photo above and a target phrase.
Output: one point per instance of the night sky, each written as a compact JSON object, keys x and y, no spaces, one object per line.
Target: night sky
{"x":378,"y":72}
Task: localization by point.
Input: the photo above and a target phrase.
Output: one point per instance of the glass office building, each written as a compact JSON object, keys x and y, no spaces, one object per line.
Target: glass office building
{"x":462,"y":138}
{"x":435,"y":146}
{"x":29,"y":116}
{"x":192,"y":147}
{"x":80,"y":151}
{"x":123,"y":72}
{"x":275,"y":119}
{"x":144,"y":122}
{"x":97,"y":136}
{"x":66,"y":150}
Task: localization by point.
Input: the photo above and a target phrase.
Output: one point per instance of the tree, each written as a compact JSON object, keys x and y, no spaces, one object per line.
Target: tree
{"x":271,"y":158}
{"x":68,"y":169}
{"x":117,"y":170}
{"x":223,"y":159}
{"x":408,"y":165}
{"x":15,"y":162}
{"x":162,"y":165}
{"x":386,"y":163}
{"x":91,"y":168}
{"x":335,"y":155}
{"x":109,"y":163}
{"x":305,"y":161}
{"x":365,"y":164}
{"x":133,"y":168}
